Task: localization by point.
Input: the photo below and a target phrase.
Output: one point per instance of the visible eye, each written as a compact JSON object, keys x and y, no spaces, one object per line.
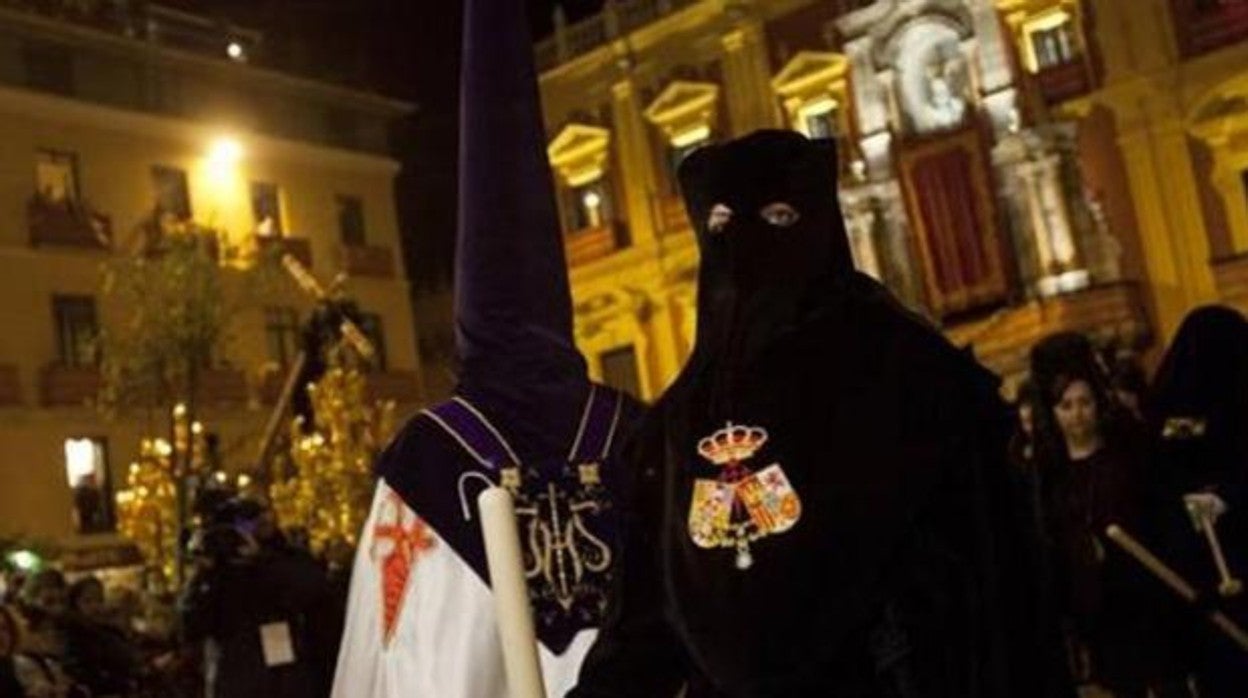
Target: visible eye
{"x":780,"y":214}
{"x":720,"y":215}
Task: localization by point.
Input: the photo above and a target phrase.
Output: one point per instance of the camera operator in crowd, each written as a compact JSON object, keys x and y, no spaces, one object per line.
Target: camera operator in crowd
{"x":253,"y":603}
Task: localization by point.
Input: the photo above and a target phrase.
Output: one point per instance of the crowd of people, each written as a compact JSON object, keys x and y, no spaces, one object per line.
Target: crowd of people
{"x":1097,"y":445}
{"x":258,"y":616}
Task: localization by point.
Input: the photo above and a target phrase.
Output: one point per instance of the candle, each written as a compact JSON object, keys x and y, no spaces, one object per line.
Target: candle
{"x":511,"y":595}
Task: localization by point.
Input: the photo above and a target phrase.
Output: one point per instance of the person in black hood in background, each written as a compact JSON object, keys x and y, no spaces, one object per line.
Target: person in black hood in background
{"x":1200,"y":426}
{"x":825,"y":506}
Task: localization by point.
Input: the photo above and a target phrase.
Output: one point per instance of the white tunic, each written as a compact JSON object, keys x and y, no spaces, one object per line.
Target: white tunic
{"x":444,"y":641}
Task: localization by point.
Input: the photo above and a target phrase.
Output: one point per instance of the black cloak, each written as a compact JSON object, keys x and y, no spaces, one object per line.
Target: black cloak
{"x":1200,"y":428}
{"x":909,"y":570}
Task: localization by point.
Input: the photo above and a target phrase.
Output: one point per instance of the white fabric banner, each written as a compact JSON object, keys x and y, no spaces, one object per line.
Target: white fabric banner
{"x":443,"y":640}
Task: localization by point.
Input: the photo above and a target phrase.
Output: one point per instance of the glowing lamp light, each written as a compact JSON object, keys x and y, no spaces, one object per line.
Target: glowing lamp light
{"x":224,"y":151}
{"x":235,"y":51}
{"x":244,"y":480}
{"x":591,"y":199}
{"x":24,"y":560}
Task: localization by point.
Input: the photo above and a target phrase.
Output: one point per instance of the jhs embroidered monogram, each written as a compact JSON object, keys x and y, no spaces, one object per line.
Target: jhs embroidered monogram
{"x":740,"y":506}
{"x":564,"y":559}
{"x":566,"y":522}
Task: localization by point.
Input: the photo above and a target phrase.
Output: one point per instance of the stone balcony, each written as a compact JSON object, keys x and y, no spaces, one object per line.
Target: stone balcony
{"x":10,"y":386}
{"x":617,"y":19}
{"x":367,"y":260}
{"x":1003,"y":341}
{"x":68,"y":386}
{"x":67,"y":224}
{"x":299,"y":248}
{"x":152,"y":23}
{"x":1059,"y":83}
{"x":590,"y":244}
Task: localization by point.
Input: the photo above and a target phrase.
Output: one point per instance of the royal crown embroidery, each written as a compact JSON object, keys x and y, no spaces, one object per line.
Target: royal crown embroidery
{"x":740,"y":506}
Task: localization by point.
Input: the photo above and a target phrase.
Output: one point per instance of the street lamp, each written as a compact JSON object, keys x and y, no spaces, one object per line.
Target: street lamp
{"x":225,"y":151}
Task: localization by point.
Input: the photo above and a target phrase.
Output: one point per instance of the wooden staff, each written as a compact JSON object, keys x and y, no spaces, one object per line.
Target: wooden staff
{"x":511,"y":594}
{"x":1228,"y":584}
{"x":1175,"y":582}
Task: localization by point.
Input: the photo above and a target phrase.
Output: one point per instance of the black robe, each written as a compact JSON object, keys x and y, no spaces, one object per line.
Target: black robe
{"x":910,"y":571}
{"x":1200,"y":432}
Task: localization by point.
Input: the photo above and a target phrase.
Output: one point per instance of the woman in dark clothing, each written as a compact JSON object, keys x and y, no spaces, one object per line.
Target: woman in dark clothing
{"x":1087,"y":450}
{"x":98,"y":654}
{"x":1200,"y":424}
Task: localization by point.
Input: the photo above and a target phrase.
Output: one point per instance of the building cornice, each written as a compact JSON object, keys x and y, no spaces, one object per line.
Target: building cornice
{"x":74,"y":112}
{"x":90,"y":37}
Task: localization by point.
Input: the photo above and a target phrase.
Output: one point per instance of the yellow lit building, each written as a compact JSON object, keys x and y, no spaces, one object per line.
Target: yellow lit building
{"x":110,"y":120}
{"x":1008,"y":167}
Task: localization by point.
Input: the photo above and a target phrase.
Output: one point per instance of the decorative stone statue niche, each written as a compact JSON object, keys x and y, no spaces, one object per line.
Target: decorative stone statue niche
{"x":1101,"y":247}
{"x":1058,"y":236}
{"x":875,"y":221}
{"x":934,"y":79}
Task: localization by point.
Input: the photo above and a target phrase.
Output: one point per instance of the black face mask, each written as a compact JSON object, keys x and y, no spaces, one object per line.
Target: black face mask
{"x":770,"y":234}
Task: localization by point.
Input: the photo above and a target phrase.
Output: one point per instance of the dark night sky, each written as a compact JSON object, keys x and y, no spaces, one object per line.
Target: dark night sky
{"x":403,"y":48}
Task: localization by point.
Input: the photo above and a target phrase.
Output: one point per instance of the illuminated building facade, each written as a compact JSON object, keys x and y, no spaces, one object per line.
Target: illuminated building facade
{"x":112,"y":119}
{"x":1008,"y":167}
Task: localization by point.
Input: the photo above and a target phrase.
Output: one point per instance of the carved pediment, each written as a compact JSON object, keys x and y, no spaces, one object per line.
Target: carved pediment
{"x":579,"y":153}
{"x":683,"y":105}
{"x":809,"y":71}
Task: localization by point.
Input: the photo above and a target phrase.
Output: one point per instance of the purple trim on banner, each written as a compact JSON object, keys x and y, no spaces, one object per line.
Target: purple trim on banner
{"x":474,"y":433}
{"x":602,"y":413}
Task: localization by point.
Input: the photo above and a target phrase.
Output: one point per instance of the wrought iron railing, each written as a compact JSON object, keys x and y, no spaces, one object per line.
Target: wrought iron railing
{"x":616,"y":19}
{"x":163,"y":26}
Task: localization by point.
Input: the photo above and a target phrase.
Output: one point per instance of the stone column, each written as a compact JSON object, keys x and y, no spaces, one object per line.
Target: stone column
{"x":860,"y":224}
{"x":751,"y":102}
{"x":1060,"y":241}
{"x":636,"y":161}
{"x":1031,"y":162}
{"x":1171,"y":223}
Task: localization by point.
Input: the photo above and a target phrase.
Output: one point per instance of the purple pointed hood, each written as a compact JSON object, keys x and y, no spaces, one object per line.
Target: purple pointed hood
{"x":513,"y":308}
{"x":511,"y":286}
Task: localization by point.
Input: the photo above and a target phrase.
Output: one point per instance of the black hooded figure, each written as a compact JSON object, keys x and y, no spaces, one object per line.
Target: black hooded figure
{"x":1200,"y":426}
{"x":824,"y":505}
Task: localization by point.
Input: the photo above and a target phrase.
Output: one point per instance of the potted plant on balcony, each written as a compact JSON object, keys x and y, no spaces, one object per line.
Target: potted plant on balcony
{"x":66,"y":221}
